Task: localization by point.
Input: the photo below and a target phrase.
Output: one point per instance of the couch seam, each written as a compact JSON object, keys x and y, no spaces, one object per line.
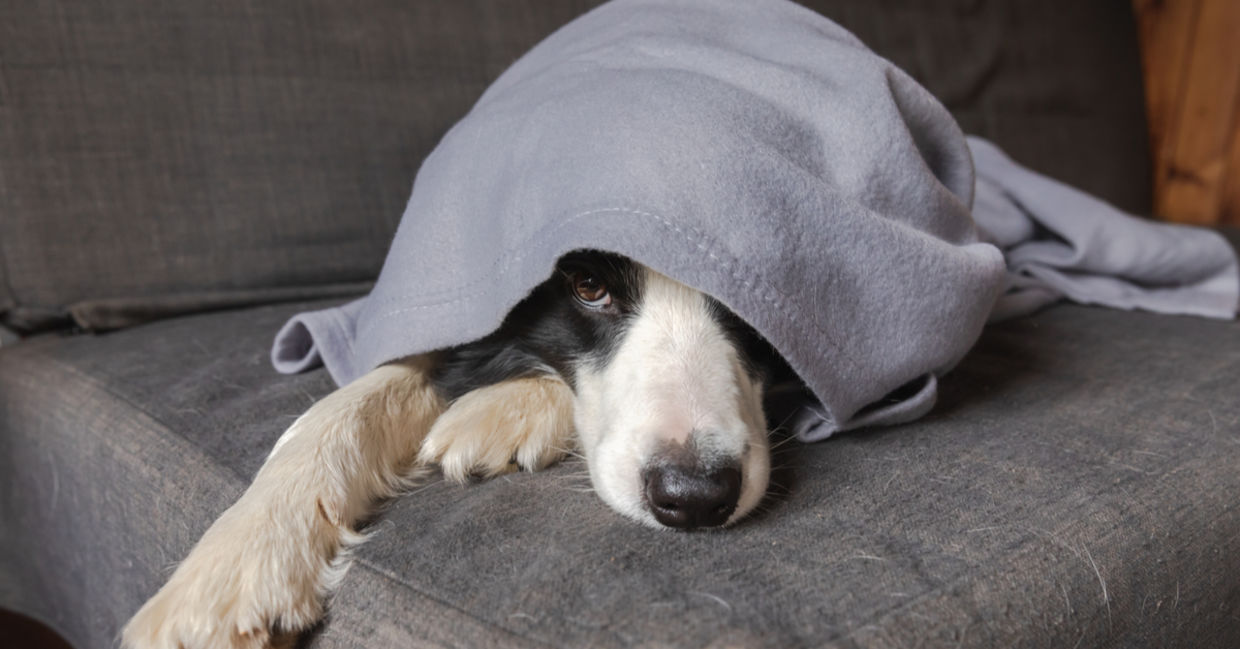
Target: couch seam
{"x":101,"y":386}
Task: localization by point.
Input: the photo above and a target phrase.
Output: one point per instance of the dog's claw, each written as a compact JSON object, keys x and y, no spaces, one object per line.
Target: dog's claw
{"x":521,"y":423}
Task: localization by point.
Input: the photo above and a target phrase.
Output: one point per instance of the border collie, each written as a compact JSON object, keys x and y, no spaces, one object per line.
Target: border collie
{"x":657,"y":385}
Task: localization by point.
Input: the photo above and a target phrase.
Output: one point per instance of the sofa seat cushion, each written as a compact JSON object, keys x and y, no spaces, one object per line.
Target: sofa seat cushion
{"x":1074,"y":487}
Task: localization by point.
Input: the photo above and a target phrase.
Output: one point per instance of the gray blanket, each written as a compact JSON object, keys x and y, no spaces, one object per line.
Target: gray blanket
{"x":758,"y":152}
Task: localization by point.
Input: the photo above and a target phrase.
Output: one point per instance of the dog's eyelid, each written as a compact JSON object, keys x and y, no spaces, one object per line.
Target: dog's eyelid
{"x":570,"y":269}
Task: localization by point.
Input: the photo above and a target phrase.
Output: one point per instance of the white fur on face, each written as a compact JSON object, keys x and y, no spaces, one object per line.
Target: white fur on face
{"x":675,"y":377}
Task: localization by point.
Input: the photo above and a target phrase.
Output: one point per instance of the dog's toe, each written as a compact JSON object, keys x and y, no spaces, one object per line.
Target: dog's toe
{"x":520,"y":423}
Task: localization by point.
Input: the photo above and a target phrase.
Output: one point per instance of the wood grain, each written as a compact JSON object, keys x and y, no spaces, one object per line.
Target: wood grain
{"x":1191,"y":58}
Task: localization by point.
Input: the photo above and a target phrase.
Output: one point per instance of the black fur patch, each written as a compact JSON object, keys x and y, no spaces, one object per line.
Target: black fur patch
{"x":759,"y":356}
{"x":551,"y":331}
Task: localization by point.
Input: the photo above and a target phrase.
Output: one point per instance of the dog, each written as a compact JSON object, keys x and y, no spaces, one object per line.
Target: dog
{"x":659,"y":386}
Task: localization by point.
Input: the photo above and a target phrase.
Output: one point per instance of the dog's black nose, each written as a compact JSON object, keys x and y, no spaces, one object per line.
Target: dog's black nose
{"x":688,"y":497}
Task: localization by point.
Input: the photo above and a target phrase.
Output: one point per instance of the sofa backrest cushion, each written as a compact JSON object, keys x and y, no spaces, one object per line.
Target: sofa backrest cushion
{"x":165,"y":157}
{"x":158,"y":159}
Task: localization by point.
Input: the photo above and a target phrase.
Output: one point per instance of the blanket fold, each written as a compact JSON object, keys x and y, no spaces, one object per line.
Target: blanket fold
{"x":1060,"y":242}
{"x":760,"y":153}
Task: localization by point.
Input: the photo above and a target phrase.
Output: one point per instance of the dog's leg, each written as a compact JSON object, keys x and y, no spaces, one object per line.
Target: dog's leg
{"x":266,"y":564}
{"x":519,"y":423}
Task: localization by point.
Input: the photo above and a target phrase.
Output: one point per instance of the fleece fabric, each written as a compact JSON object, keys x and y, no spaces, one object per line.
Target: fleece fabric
{"x":751,"y":149}
{"x":1060,"y":242}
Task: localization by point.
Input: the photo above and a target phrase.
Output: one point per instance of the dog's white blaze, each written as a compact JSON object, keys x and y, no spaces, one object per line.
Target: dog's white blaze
{"x":675,"y":375}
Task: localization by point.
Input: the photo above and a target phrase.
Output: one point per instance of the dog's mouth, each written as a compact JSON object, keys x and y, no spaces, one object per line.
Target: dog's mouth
{"x":681,"y":486}
{"x":684,"y":487}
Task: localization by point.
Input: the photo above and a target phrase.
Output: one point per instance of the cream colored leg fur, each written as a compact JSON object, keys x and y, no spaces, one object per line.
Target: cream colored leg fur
{"x":264,"y":567}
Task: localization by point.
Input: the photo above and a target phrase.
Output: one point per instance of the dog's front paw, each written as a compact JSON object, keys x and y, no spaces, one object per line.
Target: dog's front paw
{"x":520,"y":423}
{"x":233,"y":591}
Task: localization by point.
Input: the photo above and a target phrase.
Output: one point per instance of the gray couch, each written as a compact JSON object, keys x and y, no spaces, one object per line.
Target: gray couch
{"x":176,"y":180}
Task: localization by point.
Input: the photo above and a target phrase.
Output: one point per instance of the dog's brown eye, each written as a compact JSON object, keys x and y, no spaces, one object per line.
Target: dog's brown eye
{"x":590,"y":291}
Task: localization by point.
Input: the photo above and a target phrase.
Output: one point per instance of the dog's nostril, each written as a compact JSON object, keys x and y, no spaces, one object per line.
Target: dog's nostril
{"x":688,"y":497}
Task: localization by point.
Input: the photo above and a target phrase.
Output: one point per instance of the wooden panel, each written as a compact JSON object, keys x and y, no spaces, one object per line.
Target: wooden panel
{"x":1191,"y":55}
{"x":1165,"y":31}
{"x":1230,"y":209}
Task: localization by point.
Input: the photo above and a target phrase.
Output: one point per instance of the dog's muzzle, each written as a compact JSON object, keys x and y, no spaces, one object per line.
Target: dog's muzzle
{"x":687,"y":496}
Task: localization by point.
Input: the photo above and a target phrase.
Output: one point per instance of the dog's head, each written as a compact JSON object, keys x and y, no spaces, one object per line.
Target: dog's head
{"x":669,"y":396}
{"x":668,"y":382}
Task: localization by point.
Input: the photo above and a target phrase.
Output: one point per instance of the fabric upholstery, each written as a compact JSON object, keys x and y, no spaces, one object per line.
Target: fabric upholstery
{"x":1076,"y":484}
{"x":229,"y":150}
